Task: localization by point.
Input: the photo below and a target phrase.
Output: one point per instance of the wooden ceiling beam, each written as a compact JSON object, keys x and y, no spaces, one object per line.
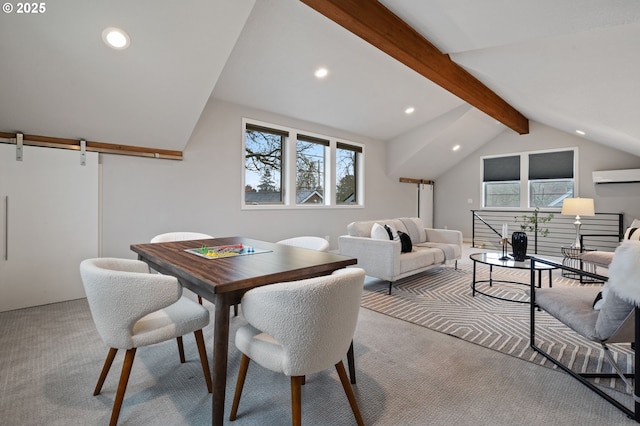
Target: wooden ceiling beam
{"x":374,"y":23}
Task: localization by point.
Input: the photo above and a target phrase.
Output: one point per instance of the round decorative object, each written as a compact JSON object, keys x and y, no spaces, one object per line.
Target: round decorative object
{"x":519,"y":245}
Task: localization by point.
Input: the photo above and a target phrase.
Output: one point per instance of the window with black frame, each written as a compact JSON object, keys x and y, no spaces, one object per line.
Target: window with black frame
{"x":347,"y":173}
{"x":529,"y":180}
{"x":263,"y":159}
{"x":501,"y":181}
{"x":311,"y":153}
{"x":550,"y":178}
{"x":290,"y":168}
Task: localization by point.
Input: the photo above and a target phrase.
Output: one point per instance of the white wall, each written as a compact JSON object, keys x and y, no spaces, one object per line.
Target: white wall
{"x":142,"y":197}
{"x":454,"y":188}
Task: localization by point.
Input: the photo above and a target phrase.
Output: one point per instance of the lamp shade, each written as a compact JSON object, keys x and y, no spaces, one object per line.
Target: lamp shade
{"x":578,"y":207}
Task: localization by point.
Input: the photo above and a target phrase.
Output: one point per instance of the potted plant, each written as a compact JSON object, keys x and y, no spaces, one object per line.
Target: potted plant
{"x":529,"y":223}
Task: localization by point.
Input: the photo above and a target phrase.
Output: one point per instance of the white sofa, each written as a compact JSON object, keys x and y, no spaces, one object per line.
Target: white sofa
{"x":382,"y":258}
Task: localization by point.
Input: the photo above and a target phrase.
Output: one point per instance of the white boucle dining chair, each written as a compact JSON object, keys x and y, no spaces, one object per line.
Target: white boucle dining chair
{"x":308,"y":242}
{"x":300,"y":328}
{"x":169,"y":237}
{"x":132,"y":307}
{"x":320,"y":244}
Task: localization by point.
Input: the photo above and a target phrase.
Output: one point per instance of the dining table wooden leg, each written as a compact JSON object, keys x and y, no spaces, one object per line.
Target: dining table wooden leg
{"x":220,"y":353}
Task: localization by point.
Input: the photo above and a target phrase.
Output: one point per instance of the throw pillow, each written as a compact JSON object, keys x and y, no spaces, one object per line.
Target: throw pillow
{"x":633,"y":231}
{"x":600,"y":297}
{"x":405,"y":240}
{"x":393,"y":234}
{"x":378,"y":232}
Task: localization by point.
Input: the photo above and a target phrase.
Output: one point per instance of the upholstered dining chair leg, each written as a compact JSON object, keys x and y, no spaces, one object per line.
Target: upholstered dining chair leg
{"x":105,"y":370}
{"x":122,"y":385}
{"x":350,"y":396}
{"x":204,"y":361}
{"x":296,"y":400}
{"x":352,"y":363}
{"x":242,"y":374}
{"x":180,"y":349}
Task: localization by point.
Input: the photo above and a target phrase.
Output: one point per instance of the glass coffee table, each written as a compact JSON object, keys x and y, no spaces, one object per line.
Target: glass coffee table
{"x":494,"y":259}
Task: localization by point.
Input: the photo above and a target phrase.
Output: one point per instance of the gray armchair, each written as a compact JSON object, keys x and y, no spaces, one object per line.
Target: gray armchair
{"x":617,"y":320}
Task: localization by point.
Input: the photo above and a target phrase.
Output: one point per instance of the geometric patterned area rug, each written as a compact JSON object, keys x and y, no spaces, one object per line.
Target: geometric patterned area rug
{"x":440,"y":299}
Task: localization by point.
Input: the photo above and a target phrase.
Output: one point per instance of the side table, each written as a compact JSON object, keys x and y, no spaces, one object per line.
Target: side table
{"x":571,"y":258}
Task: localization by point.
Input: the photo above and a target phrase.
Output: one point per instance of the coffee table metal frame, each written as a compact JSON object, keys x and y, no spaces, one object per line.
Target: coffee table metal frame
{"x":494,"y":259}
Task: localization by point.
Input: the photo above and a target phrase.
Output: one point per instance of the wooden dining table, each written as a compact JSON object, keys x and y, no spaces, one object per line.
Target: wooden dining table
{"x":223,"y":281}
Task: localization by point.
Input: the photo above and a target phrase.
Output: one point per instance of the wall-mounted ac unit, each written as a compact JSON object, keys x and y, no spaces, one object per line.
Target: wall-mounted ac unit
{"x":616,"y":176}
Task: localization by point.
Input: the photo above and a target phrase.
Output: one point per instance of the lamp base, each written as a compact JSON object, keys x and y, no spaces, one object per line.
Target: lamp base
{"x":576,"y":245}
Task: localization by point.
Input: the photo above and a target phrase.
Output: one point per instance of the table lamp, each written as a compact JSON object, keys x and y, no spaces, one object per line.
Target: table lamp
{"x":578,"y":207}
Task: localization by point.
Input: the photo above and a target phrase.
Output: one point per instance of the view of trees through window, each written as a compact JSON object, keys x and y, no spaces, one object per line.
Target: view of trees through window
{"x":263,"y":166}
{"x":502,"y":194}
{"x":346,"y":175}
{"x":310,"y":170}
{"x":265,"y":158}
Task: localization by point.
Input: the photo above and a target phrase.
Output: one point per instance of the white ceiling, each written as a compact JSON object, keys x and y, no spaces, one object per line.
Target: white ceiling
{"x":570,"y":64}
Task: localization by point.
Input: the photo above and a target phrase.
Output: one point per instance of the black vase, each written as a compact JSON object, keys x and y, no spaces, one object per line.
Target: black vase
{"x":519,"y":245}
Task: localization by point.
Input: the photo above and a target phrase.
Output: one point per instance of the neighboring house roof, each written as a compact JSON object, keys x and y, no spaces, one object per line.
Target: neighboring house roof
{"x":308,"y":196}
{"x":303,"y":196}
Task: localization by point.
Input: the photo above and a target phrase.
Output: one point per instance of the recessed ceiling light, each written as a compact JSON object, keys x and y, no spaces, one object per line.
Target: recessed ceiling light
{"x":455,"y":148}
{"x":321,"y":72}
{"x":115,"y":38}
{"x":580,"y":132}
{"x":409,"y":110}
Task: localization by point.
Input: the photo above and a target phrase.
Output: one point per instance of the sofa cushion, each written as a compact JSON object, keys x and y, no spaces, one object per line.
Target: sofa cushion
{"x":448,"y":251}
{"x":417,"y":259}
{"x":599,"y":258}
{"x":571,"y":306}
{"x":415,"y":229}
{"x":363,"y":228}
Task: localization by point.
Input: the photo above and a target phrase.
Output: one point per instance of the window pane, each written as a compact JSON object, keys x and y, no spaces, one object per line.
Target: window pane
{"x":551,"y":165}
{"x":310,"y":171}
{"x":549,"y":192}
{"x":502,"y":194}
{"x":263,"y":166}
{"x":346,"y":172}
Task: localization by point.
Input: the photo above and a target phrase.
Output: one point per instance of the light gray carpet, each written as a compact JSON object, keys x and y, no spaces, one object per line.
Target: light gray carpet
{"x":441,"y":299}
{"x":50,"y":358}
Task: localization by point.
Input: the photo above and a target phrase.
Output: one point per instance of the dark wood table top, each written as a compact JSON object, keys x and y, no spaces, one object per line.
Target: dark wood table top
{"x":209,"y":277}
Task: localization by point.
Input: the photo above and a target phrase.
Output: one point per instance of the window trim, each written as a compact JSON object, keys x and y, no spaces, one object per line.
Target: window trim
{"x":525,"y":195}
{"x":289,"y":172}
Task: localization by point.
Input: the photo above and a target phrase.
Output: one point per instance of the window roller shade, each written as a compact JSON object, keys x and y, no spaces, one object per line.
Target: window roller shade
{"x":551,"y":165}
{"x":501,"y":169}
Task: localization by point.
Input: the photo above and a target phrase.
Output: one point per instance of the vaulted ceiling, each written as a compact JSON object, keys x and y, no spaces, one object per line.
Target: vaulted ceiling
{"x":570,"y":64}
